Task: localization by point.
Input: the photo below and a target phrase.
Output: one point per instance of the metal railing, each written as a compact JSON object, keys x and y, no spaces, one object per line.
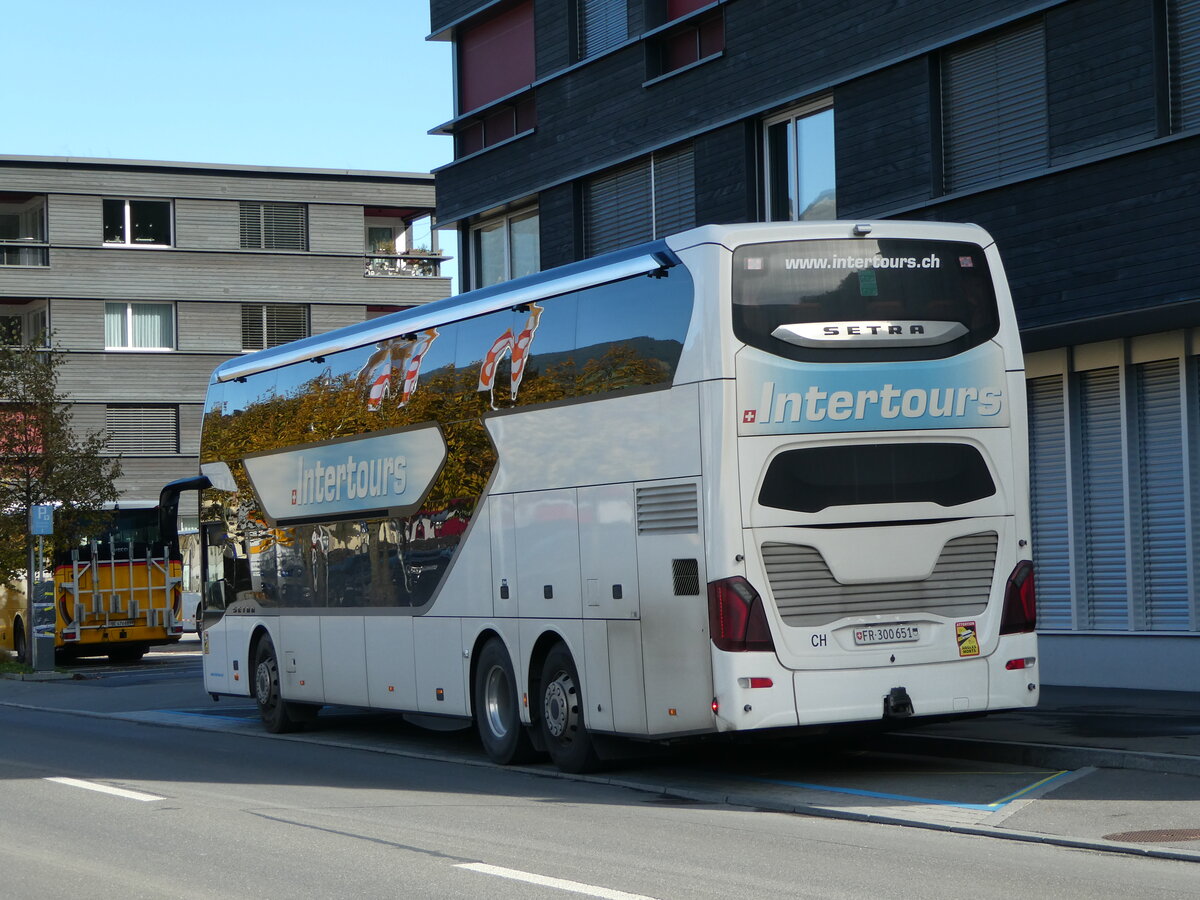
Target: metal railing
{"x":410,"y":263}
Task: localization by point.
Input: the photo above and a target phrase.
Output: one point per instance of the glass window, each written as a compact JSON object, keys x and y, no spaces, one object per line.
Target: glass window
{"x":137,"y":222}
{"x":273,"y":226}
{"x":24,"y":323}
{"x":815,"y":478}
{"x":692,"y":41}
{"x":647,"y":199}
{"x":603,"y":24}
{"x":800,"y":165}
{"x":139,"y":326}
{"x":863,"y":300}
{"x":22,"y":223}
{"x":506,"y":248}
{"x":271,"y":324}
{"x":142,"y":429}
{"x":994,"y":110}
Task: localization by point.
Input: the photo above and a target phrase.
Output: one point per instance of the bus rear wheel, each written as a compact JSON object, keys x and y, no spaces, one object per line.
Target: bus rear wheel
{"x":271,"y":705}
{"x":561,"y":720}
{"x":19,"y":642}
{"x":497,"y":708}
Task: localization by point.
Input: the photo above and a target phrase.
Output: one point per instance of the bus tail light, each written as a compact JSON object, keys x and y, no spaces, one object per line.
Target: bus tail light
{"x":737,"y":621}
{"x":1020,"y":603}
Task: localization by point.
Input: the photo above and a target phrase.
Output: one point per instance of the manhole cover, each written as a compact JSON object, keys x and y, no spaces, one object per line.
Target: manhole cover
{"x":1162,"y":836}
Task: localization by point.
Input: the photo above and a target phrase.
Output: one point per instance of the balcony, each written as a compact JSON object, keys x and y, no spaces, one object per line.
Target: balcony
{"x":24,"y":253}
{"x":23,"y":230}
{"x":408,"y":263}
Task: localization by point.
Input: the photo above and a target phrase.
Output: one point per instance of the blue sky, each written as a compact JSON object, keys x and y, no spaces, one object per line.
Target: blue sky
{"x":350,"y":85}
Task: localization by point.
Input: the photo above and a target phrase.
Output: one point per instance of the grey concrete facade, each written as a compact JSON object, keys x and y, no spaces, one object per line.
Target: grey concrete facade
{"x":62,"y":268}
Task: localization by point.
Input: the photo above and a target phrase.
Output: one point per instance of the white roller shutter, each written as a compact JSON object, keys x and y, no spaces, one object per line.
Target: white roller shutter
{"x":1048,"y":493}
{"x":994,"y":118}
{"x":1184,"y":26}
{"x":1103,"y":493}
{"x":1163,"y":512}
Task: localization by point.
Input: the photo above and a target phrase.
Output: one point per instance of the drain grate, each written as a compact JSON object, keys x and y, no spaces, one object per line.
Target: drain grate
{"x":1162,"y":836}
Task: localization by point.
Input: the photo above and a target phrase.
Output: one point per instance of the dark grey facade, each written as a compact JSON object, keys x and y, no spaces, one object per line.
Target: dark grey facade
{"x":148,"y":275}
{"x":1070,"y":129}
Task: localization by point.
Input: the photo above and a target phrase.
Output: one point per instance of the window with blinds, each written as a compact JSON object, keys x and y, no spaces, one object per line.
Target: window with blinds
{"x":603,"y":24}
{"x":994,"y":114}
{"x":647,"y":199}
{"x":1183,"y":30}
{"x":142,"y":429}
{"x":273,"y":226}
{"x":271,"y":324}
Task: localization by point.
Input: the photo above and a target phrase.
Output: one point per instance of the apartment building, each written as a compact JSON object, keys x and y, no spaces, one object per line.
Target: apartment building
{"x":149,"y":274}
{"x":1070,"y":129}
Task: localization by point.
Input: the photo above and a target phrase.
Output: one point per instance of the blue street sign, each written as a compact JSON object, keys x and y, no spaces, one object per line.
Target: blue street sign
{"x":41,"y":520}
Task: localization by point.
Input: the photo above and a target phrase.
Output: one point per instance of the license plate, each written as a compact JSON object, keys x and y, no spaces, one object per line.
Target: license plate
{"x":121,"y":623}
{"x":886,"y":634}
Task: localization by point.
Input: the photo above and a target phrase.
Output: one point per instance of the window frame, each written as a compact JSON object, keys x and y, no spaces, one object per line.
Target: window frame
{"x":262,"y":308}
{"x":791,"y":116}
{"x":128,"y":316}
{"x":176,"y":437}
{"x":262,"y":206}
{"x":126,"y":241}
{"x":506,"y":221}
{"x":23,"y":248}
{"x":24,"y":312}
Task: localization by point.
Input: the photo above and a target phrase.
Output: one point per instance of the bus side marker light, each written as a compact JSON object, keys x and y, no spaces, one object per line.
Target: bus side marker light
{"x":671,"y":712}
{"x":716,"y":706}
{"x":301,"y":682}
{"x":1026,"y":663}
{"x":441,"y":695}
{"x":391,"y":688}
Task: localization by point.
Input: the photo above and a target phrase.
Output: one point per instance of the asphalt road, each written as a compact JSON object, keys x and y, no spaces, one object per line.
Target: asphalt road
{"x":99,"y":802}
{"x":160,"y":812}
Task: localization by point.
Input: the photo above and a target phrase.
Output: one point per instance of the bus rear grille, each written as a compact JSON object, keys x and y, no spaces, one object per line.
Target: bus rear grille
{"x":807,"y":594}
{"x":668,"y":509}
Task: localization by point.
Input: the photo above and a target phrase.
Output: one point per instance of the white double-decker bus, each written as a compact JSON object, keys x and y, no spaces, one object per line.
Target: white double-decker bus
{"x":747,"y":477}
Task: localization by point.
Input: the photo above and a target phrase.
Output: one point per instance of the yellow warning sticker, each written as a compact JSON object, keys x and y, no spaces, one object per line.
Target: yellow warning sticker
{"x":968,"y":639}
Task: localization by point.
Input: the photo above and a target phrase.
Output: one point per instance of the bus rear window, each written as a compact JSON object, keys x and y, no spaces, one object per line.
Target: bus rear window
{"x":812,"y":479}
{"x":863,"y":300}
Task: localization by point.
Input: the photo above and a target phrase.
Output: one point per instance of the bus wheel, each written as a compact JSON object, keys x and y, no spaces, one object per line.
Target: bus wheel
{"x":271,"y":706}
{"x":567,"y":739}
{"x":497,"y":709}
{"x":19,"y":641}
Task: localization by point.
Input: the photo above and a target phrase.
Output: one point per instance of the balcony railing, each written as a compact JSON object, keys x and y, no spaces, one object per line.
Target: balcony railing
{"x":419,"y":263}
{"x":24,"y":253}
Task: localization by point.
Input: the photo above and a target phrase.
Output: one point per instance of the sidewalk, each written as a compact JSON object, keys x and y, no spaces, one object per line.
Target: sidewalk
{"x":1156,"y":731}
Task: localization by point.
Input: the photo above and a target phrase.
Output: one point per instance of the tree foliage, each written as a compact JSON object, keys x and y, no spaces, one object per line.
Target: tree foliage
{"x":43,"y":459}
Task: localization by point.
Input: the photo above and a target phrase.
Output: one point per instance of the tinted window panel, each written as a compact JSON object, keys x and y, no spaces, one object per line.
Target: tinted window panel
{"x":812,"y":479}
{"x":909,"y":285}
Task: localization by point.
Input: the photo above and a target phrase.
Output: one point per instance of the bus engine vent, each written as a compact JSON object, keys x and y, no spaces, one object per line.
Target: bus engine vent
{"x":668,"y":509}
{"x":685,"y":575}
{"x":807,"y":594}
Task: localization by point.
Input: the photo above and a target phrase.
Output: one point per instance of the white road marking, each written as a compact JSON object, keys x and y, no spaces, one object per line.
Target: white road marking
{"x":562,"y":884}
{"x":106,"y":789}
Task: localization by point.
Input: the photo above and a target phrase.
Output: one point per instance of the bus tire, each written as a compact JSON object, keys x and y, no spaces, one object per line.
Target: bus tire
{"x":561,"y":714}
{"x":19,"y":641}
{"x":271,"y":705}
{"x":498,"y":709}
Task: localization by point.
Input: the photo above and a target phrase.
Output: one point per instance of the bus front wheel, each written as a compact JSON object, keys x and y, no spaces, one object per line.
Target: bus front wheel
{"x":271,"y":705}
{"x":561,"y":720}
{"x":497,"y":709}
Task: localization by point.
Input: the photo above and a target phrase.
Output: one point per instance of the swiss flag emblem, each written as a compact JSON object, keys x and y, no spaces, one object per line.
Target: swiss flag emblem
{"x":749,"y":416}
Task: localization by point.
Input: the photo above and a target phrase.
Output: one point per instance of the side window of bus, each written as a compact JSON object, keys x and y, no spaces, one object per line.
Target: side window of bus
{"x":483,"y":361}
{"x":631,"y":332}
{"x":544,"y":351}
